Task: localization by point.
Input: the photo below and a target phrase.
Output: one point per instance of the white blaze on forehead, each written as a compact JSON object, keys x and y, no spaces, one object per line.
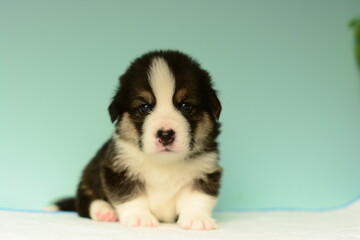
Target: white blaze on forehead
{"x":162,"y":82}
{"x":164,"y":116}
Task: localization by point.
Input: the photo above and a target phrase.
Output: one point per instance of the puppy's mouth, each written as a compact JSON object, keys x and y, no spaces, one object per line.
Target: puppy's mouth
{"x":164,"y":149}
{"x":167,"y":150}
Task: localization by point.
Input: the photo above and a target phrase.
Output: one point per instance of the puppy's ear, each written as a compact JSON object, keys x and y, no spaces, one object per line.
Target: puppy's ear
{"x":215,"y":105}
{"x":114,"y":110}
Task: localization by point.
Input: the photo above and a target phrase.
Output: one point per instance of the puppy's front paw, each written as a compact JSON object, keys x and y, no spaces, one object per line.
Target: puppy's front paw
{"x":139,"y":219}
{"x":102,"y":211}
{"x":197,"y":223}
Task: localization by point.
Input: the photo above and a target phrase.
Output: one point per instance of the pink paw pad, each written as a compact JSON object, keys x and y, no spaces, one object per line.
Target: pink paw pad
{"x":106,"y":216}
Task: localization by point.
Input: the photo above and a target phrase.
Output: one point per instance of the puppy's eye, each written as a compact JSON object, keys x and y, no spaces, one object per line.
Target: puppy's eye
{"x":145,"y":108}
{"x":185,"y":107}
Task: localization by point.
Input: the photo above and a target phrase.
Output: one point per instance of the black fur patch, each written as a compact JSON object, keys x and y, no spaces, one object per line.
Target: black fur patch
{"x":210,"y":184}
{"x":90,"y":187}
{"x":119,"y":186}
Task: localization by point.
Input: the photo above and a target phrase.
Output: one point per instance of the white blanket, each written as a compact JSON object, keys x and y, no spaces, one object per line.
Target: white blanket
{"x":341,"y":224}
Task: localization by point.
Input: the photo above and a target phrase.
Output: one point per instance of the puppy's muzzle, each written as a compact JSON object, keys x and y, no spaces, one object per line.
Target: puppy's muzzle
{"x":165,"y":137}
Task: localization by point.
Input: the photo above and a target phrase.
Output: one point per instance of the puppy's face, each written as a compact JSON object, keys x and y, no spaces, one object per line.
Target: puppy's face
{"x":166,"y":105}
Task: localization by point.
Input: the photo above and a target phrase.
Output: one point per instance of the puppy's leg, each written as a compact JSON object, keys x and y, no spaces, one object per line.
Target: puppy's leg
{"x":90,"y":205}
{"x":102,"y":211}
{"x":84,"y":197}
{"x":195,"y":210}
{"x":136,"y":213}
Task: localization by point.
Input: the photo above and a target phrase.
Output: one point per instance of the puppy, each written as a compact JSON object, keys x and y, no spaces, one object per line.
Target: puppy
{"x":161,"y":163}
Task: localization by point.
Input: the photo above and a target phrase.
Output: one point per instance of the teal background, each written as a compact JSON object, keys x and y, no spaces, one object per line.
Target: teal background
{"x":285,"y":70}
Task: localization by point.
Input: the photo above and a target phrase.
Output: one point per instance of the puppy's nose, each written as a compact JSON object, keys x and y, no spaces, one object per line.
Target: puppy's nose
{"x":165,"y":137}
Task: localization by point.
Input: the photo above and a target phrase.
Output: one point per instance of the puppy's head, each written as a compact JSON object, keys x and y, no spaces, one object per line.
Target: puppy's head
{"x":166,"y":105}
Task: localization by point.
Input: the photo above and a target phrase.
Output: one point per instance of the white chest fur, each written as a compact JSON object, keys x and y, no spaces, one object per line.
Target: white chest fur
{"x":167,"y":177}
{"x":164,"y":185}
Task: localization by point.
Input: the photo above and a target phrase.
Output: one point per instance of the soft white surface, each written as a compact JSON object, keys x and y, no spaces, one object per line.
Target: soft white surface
{"x":342,"y":224}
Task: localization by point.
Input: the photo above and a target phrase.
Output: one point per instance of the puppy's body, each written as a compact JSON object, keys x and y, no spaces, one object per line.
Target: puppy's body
{"x":161,"y":164}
